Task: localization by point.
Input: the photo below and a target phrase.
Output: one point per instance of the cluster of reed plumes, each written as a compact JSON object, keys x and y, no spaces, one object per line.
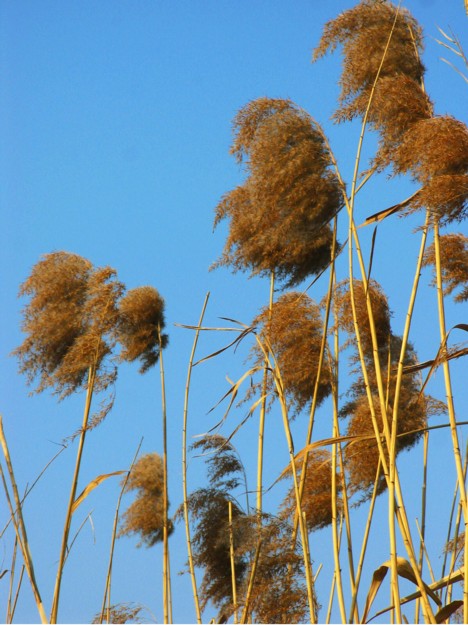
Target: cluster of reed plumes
{"x":334,"y":369}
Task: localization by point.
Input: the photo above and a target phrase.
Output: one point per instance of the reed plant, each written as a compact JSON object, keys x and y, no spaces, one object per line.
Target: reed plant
{"x":335,"y":384}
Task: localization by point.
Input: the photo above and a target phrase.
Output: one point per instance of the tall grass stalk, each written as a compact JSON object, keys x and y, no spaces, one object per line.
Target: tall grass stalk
{"x":320,"y":364}
{"x":184,"y":464}
{"x":72,"y":496}
{"x":166,"y":571}
{"x":268,"y":353}
{"x":451,"y":407}
{"x":334,"y":486}
{"x":365,"y":540}
{"x":19,"y":525}
{"x":233,"y":566}
{"x":261,"y":425}
{"x":107,"y":590}
{"x":423,"y":515}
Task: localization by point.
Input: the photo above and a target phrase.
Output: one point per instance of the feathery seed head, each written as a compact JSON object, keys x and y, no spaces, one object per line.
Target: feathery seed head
{"x":454,"y":264}
{"x":145,"y":516}
{"x":317,"y":496}
{"x":294,"y":334}
{"x":68,"y":321}
{"x":140,"y":326}
{"x":279,"y":217}
{"x":380,"y":310}
{"x":363,"y":32}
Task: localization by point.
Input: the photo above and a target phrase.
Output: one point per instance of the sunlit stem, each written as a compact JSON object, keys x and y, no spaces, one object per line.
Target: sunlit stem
{"x":320,"y":365}
{"x":107,"y":590}
{"x":184,"y":465}
{"x":166,"y":572}
{"x":261,"y":426}
{"x":269,"y":355}
{"x":423,"y":516}
{"x":69,"y":514}
{"x":451,"y":408}
{"x":233,"y":566}
{"x":19,"y":525}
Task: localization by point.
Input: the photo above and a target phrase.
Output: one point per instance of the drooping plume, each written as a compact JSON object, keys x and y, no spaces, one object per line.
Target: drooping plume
{"x":69,"y":322}
{"x":454,"y":264}
{"x":145,"y":516}
{"x":141,"y":323}
{"x":317,"y":496}
{"x":279,"y":218}
{"x":294,"y":330}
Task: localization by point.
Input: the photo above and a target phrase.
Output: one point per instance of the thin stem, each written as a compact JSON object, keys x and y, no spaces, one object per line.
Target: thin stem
{"x":423,"y":516}
{"x":261,"y":426}
{"x":107,"y":591}
{"x":166,"y":574}
{"x":233,"y":566}
{"x":18,"y":522}
{"x":184,"y":465}
{"x":71,"y":500}
{"x":334,"y":493}
{"x":451,"y":407}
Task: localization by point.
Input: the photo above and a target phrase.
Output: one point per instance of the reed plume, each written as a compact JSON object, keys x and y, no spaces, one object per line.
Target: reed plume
{"x":414,"y":408}
{"x":454,"y":264}
{"x":293,"y":329}
{"x":69,"y":322}
{"x":278,"y":593}
{"x":145,"y":516}
{"x":435,"y":153}
{"x":141,"y":320}
{"x":380,"y":309}
{"x":316,"y":499}
{"x":279,"y":218}
{"x":209,"y":507}
{"x":363,"y":33}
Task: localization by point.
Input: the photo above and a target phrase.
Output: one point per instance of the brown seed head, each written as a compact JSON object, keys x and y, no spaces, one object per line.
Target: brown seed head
{"x":454,"y":264}
{"x":294,"y":332}
{"x":363,"y":32}
{"x":317,"y":495}
{"x":279,"y":217}
{"x":68,"y":321}
{"x":145,"y":516}
{"x":141,"y":322}
{"x":380,"y":310}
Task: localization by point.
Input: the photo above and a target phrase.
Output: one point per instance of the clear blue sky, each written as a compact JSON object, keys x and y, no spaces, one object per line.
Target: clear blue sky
{"x":115,"y":126}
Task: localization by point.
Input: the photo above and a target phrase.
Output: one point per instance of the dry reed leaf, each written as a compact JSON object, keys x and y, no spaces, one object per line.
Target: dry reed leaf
{"x":91,"y":486}
{"x":405,"y":570}
{"x":446,"y":612}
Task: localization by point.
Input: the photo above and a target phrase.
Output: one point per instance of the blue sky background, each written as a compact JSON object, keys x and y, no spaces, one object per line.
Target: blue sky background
{"x":115,"y":126}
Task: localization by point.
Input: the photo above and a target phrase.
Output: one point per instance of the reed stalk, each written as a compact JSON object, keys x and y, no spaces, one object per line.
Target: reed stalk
{"x":451,"y":407}
{"x":335,"y":435}
{"x":267,"y":352}
{"x":233,"y":566}
{"x":107,"y":590}
{"x":261,"y":425}
{"x":184,"y":464}
{"x":166,"y":574}
{"x":320,"y":362}
{"x":19,"y":525}
{"x":72,"y":496}
{"x":423,"y":516}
